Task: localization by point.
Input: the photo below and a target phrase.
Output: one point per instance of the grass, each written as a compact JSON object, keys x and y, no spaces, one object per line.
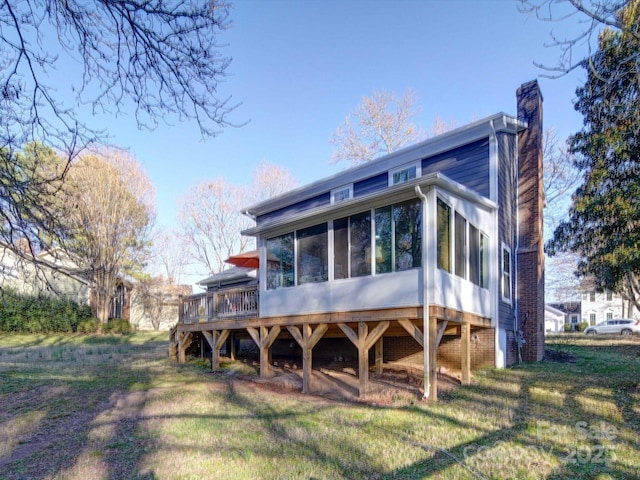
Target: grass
{"x":107,"y":407}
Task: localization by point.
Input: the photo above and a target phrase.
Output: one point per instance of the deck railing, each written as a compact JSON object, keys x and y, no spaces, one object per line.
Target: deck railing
{"x":226,"y":303}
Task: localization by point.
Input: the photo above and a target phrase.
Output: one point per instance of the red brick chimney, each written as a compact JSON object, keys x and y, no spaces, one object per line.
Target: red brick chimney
{"x":530,"y":253}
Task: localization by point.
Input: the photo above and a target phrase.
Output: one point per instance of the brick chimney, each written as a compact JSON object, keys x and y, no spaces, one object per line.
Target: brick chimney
{"x":530,"y":253}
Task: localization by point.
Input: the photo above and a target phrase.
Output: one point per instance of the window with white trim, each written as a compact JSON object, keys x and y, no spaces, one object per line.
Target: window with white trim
{"x":342,"y":193}
{"x":404,"y":174}
{"x":506,"y":269}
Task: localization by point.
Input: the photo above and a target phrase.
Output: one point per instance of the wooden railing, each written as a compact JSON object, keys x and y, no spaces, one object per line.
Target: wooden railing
{"x":226,"y":303}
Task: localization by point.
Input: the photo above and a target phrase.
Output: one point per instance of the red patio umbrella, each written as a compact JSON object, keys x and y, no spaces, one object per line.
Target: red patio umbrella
{"x":246,"y":259}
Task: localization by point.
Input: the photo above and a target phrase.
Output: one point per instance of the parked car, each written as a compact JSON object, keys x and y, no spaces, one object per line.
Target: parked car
{"x":622,"y":326}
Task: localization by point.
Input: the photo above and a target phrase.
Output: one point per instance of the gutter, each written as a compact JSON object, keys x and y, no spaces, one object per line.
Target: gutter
{"x":425,"y":295}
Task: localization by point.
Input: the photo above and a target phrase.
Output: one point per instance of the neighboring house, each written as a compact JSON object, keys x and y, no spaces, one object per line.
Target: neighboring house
{"x":600,"y":306}
{"x":554,"y":320}
{"x":156,"y":307}
{"x":572,"y":313}
{"x":20,"y":273}
{"x":430,"y":255}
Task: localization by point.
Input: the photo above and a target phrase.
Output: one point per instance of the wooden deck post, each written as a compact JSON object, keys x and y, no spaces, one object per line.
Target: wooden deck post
{"x":379,"y":352}
{"x":264,"y":338}
{"x":363,"y":340}
{"x":307,"y":339}
{"x":465,"y":353}
{"x":216,"y":339}
{"x":433,"y":368}
{"x":183,"y":342}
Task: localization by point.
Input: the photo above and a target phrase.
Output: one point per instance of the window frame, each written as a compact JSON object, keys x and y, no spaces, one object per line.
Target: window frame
{"x":335,"y":191}
{"x":413,"y":165}
{"x":503,"y":273}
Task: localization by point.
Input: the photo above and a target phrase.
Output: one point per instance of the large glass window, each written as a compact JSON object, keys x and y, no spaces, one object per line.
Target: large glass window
{"x":280,"y":265}
{"x":407,"y":219}
{"x":360,"y":237}
{"x":383,"y":240}
{"x":461,"y":245}
{"x":313,"y":256}
{"x":444,"y":236}
{"x":475,"y":252}
{"x":341,"y":248}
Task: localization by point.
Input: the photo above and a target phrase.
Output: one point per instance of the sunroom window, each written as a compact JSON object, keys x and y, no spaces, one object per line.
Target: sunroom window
{"x":280,"y":262}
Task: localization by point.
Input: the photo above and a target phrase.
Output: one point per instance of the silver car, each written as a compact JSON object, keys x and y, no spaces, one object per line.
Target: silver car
{"x":622,"y":326}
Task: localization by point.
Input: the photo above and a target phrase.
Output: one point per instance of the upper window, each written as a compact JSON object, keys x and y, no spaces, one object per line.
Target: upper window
{"x":506,"y":274}
{"x":609,"y":295}
{"x":592,"y":296}
{"x":404,"y":174}
{"x":341,"y":194}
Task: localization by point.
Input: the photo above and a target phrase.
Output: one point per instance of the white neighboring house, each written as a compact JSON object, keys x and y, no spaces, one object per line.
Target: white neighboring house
{"x":600,"y":306}
{"x":21,"y":275}
{"x":553,"y":320}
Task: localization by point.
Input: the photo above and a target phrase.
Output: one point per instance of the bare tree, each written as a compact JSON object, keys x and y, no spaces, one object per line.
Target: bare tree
{"x":109,"y":204}
{"x":155,"y":59}
{"x":211,"y":222}
{"x":591,"y":16}
{"x":168,"y":255}
{"x":211,"y":214}
{"x":378,"y":126}
{"x":270,"y":180}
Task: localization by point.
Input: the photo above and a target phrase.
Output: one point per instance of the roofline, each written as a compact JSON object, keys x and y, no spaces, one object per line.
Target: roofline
{"x":500,"y":122}
{"x":436,"y":179}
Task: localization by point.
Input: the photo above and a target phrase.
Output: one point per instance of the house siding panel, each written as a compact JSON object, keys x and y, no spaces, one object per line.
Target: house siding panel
{"x":371,"y":185}
{"x":507,"y":172}
{"x":467,"y":165}
{"x":317,"y":201}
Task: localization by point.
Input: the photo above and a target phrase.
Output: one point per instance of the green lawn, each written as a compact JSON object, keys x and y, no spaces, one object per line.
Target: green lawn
{"x":106,"y":407}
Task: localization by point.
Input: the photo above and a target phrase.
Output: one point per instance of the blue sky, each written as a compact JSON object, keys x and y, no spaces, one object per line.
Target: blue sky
{"x":300,"y":66}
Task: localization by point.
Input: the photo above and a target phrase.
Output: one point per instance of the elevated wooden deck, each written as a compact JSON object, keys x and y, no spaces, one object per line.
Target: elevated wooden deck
{"x":217,"y":315}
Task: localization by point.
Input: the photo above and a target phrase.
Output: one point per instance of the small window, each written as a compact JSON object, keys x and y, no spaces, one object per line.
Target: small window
{"x":609,"y":315}
{"x":341,"y":194}
{"x":592,"y":319}
{"x":592,"y":296}
{"x":609,"y":295}
{"x":574,"y":319}
{"x":404,"y":174}
{"x":506,"y":274}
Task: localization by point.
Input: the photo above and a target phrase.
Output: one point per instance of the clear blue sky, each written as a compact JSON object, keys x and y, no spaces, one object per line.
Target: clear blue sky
{"x":300,"y":66}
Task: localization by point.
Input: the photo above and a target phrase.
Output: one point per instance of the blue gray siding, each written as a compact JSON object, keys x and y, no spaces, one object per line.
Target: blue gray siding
{"x":371,"y":185}
{"x":507,"y":219}
{"x":318,"y":201}
{"x":468,"y":165}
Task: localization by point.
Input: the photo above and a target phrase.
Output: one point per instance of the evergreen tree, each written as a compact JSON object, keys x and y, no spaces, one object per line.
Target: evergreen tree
{"x":603,"y":227}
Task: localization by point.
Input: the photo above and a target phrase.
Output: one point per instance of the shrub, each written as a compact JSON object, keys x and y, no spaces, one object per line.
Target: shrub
{"x":88,"y":326}
{"x":39,"y":314}
{"x":582,"y":326}
{"x":117,"y":325}
{"x":568,"y":327}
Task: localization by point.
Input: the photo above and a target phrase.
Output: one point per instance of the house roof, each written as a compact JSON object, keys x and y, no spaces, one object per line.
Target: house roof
{"x":230,"y":276}
{"x":499,"y":122}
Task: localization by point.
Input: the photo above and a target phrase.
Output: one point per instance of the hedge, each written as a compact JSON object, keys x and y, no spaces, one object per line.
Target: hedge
{"x":21,"y":313}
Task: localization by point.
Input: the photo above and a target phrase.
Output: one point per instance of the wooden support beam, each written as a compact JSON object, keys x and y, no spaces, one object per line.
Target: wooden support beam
{"x":264,"y":338}
{"x":184,"y":338}
{"x":433,"y":368}
{"x":363,"y":341}
{"x":218,"y":338}
{"x":379,"y":352}
{"x":465,"y":353}
{"x":441,"y":328}
{"x":412,"y":330}
{"x":307,"y":339}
